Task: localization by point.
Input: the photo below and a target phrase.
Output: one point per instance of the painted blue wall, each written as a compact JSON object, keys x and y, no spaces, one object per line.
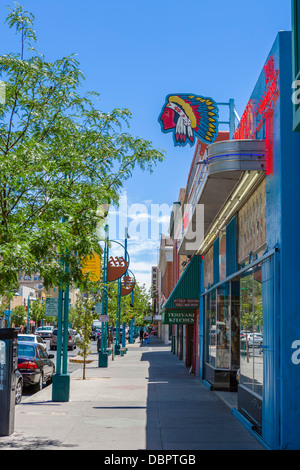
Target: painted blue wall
{"x":281,"y":286}
{"x":289,"y":255}
{"x":282,"y":304}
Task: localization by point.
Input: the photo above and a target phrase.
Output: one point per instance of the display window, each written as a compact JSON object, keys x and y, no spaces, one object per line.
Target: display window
{"x":251,"y":341}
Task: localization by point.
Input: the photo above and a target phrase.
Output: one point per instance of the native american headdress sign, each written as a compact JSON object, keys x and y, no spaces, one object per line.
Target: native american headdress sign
{"x":189,"y":117}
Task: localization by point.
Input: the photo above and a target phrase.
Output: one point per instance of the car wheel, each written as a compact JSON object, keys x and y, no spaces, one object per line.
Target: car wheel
{"x":39,"y":385}
{"x":19,"y":391}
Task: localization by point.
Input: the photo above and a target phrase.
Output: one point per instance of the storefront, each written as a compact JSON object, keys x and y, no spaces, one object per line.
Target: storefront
{"x":182,"y":312}
{"x":249,"y":320}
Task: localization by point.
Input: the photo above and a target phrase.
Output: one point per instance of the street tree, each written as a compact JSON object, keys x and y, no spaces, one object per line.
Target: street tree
{"x":18,"y":316}
{"x":84,"y":315}
{"x":37,"y":311}
{"x":62,"y":159}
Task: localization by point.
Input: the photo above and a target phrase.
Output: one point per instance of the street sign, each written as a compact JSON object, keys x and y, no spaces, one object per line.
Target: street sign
{"x":98,"y":307}
{"x":104,"y":318}
{"x":92,"y":266}
{"x":51,"y":307}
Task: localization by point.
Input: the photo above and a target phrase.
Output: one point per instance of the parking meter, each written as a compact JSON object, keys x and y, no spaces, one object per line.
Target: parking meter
{"x":8,"y":366}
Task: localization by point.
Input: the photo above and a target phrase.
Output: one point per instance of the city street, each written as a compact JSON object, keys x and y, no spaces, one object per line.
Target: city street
{"x":72,"y":366}
{"x":145,"y":400}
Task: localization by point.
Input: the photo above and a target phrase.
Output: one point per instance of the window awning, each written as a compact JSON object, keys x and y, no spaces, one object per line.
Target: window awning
{"x":184,"y":298}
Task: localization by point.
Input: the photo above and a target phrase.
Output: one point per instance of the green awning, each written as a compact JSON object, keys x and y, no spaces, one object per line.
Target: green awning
{"x":177,"y":308}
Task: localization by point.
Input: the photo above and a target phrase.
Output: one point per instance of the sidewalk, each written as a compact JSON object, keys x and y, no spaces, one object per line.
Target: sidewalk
{"x":145,"y":400}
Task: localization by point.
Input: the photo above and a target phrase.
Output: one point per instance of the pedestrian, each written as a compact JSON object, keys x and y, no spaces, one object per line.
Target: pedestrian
{"x":141,"y":335}
{"x":146,"y":337}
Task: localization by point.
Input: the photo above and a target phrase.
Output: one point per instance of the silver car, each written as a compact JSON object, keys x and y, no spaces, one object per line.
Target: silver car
{"x":71,"y":339}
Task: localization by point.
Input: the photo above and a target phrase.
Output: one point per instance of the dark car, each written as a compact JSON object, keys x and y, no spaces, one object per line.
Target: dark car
{"x":35,"y":365}
{"x":19,"y":387}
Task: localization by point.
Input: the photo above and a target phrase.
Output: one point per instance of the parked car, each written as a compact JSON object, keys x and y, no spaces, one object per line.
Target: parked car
{"x":96,"y":330}
{"x":44,"y":331}
{"x":243,"y":335}
{"x":19,"y":387}
{"x":71,"y":339}
{"x":96,"y":334}
{"x":255,"y":339}
{"x":32,"y":339}
{"x":77,"y":335}
{"x":35,"y":364}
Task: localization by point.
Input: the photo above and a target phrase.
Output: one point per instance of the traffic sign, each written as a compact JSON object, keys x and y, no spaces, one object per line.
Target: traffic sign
{"x":51,"y":307}
{"x":104,"y":318}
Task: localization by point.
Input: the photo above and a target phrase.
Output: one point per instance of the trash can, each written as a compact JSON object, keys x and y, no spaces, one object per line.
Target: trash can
{"x":8,"y":367}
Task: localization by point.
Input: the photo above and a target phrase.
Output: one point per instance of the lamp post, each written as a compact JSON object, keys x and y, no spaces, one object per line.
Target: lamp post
{"x":103,"y":356}
{"x":61,"y":379}
{"x":111,"y":273}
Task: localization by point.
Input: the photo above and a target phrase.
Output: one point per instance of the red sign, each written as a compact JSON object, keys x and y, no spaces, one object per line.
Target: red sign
{"x":117,"y":267}
{"x":263,"y":113}
{"x":127,"y":285}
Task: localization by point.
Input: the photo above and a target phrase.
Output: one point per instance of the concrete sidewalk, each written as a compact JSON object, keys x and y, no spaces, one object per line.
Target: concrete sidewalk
{"x":145,"y":400}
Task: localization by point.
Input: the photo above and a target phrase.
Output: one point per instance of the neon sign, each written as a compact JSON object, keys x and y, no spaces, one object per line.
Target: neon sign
{"x":253,"y":117}
{"x":189,"y":117}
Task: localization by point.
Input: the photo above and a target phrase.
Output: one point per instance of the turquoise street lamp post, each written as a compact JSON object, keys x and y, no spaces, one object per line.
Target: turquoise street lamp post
{"x":61,"y":379}
{"x":118,"y":320}
{"x":102,"y":362}
{"x":103,"y":356}
{"x":118,"y":316}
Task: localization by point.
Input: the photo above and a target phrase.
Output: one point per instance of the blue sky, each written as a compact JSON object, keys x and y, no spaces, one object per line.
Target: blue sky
{"x":134,"y":53}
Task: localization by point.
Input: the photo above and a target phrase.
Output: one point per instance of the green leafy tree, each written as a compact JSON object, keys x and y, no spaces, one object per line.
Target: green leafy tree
{"x":84,"y":315}
{"x":37,"y":311}
{"x":61,"y":159}
{"x":19,"y":315}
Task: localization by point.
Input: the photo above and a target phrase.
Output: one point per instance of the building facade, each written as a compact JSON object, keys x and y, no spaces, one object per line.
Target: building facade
{"x":247,"y":322}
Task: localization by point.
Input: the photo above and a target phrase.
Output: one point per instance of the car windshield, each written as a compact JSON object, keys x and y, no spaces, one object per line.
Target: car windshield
{"x":25,"y":338}
{"x":26,"y":350}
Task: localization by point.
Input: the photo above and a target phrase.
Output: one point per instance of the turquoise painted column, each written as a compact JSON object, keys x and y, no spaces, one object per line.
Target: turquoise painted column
{"x":123,"y":335}
{"x":103,"y":356}
{"x":118,"y":320}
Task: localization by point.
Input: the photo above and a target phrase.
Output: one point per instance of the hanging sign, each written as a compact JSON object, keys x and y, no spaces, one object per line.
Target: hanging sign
{"x":117,"y":267}
{"x":189,"y":117}
{"x":92,"y":266}
{"x":127,"y":285}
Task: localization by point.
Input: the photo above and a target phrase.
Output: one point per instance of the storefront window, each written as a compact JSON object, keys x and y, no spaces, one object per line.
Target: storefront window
{"x":235,"y":324}
{"x":251,"y":357}
{"x":223,"y":326}
{"x":210,"y":343}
